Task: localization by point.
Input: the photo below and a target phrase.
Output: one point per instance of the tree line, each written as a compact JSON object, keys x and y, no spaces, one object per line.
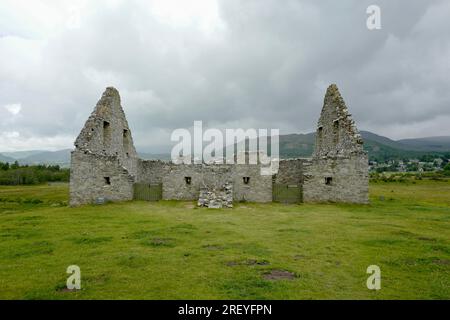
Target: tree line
{"x":16,"y":174}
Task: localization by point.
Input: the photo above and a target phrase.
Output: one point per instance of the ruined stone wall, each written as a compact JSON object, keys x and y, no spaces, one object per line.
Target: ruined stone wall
{"x":106,"y":132}
{"x":339,"y":168}
{"x":176,"y":187}
{"x":98,"y":176}
{"x":151,"y":171}
{"x":290,"y":172}
{"x":105,"y":163}
{"x":255,"y":188}
{"x":258,"y":189}
{"x":337,"y":180}
{"x":336,"y":133}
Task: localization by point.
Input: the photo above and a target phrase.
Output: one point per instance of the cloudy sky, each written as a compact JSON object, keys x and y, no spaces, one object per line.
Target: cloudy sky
{"x":229,"y":63}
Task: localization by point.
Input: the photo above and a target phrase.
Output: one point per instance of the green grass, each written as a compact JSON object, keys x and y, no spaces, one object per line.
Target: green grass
{"x":171,"y":250}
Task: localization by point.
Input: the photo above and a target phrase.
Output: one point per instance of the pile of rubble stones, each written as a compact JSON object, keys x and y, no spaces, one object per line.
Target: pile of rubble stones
{"x":216,"y":198}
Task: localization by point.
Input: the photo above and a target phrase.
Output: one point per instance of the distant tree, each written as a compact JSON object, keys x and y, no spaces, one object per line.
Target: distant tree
{"x":16,"y":174}
{"x":447,"y":167}
{"x":4,"y":166}
{"x":15,"y":165}
{"x":412,"y":167}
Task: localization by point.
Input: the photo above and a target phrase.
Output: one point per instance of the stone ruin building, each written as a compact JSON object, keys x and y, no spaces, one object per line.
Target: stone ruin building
{"x":105,"y":166}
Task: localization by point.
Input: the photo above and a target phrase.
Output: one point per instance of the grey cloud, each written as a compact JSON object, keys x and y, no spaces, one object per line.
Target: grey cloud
{"x":267,"y":66}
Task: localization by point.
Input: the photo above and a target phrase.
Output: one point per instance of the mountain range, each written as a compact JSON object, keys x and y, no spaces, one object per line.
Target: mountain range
{"x":380,"y":148}
{"x":291,"y":146}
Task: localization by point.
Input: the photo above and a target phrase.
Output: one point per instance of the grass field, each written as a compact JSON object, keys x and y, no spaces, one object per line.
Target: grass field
{"x":172,"y":250}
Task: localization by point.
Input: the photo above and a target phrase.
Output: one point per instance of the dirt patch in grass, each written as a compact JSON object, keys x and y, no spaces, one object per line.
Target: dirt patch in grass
{"x":248,"y":262}
{"x":442,"y":262}
{"x":279,"y":275}
{"x":253,"y":262}
{"x":427,"y":239}
{"x":160,"y":242}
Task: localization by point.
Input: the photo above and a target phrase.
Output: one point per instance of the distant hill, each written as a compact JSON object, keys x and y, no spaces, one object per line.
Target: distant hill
{"x":379,"y":148}
{"x":428,"y":144}
{"x":22,"y":154}
{"x":291,"y":146}
{"x":60,"y":157}
{"x":297,"y":145}
{"x":4,"y":158}
{"x":372,"y":138}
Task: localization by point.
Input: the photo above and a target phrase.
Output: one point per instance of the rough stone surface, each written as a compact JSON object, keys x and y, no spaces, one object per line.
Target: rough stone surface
{"x":349,"y":180}
{"x":216,"y":198}
{"x":289,"y":170}
{"x":106,"y":132}
{"x":338,"y":171}
{"x":336,"y":131}
{"x":88,"y":183}
{"x":105,"y":164}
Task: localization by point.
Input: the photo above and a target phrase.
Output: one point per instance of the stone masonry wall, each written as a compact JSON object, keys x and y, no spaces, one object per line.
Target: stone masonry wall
{"x":175,"y":186}
{"x":258,"y":189}
{"x":151,"y":171}
{"x":290,"y":172}
{"x":336,"y":133}
{"x":98,"y":176}
{"x":106,"y":132}
{"x":338,"y":171}
{"x":348,"y":183}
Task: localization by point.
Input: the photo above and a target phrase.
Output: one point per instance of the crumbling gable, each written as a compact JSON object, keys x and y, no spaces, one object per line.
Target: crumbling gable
{"x":338,"y":170}
{"x":336,"y":134}
{"x":106,"y":132}
{"x":104,"y":162}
